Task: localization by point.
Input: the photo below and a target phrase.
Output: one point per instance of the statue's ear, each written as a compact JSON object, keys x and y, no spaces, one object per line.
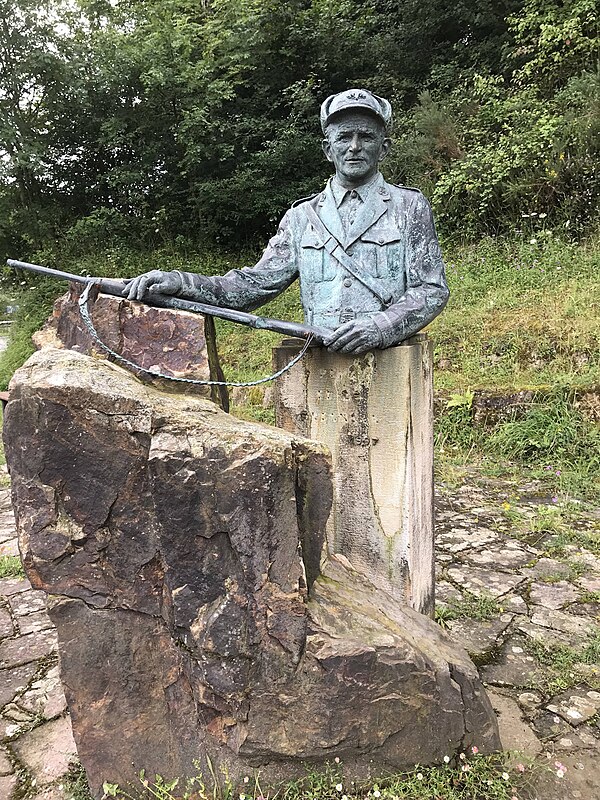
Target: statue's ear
{"x":326,"y":149}
{"x":386,"y":146}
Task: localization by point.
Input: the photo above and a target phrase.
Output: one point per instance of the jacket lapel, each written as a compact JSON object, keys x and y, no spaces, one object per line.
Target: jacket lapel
{"x":369,"y":213}
{"x":329,"y":214}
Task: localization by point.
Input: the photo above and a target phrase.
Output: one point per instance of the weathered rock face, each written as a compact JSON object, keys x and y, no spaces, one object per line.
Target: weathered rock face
{"x":181,"y":547}
{"x":177,"y":343}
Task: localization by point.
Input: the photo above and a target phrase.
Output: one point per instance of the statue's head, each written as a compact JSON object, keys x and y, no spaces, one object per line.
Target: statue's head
{"x":356,"y":123}
{"x":356,"y":100}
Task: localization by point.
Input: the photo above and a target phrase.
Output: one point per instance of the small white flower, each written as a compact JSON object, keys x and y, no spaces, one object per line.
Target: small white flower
{"x":560,"y":773}
{"x":505,"y":775}
{"x":338,"y":787}
{"x":462,"y":756}
{"x":376,"y":793}
{"x":419,"y":776}
{"x":246,"y":779}
{"x":446,"y":759}
{"x":337,"y":759}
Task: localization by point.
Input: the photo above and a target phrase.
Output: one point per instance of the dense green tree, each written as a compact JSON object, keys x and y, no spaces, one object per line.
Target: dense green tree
{"x":165,"y":121}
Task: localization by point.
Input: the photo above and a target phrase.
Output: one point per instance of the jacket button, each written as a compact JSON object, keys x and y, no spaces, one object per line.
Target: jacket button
{"x":347,"y":282}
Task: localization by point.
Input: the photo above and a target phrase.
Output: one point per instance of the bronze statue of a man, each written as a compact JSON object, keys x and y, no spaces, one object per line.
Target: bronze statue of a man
{"x":365,"y":251}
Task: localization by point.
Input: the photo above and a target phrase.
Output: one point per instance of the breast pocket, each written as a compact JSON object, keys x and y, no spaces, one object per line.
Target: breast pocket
{"x":388,"y":247}
{"x":316,"y":263}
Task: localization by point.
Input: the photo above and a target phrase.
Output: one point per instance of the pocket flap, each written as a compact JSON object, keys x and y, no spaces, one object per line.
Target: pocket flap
{"x":382,"y":235}
{"x":310,"y":239}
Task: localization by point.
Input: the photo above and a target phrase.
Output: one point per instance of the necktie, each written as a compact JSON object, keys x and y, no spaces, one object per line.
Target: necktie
{"x":349,"y":208}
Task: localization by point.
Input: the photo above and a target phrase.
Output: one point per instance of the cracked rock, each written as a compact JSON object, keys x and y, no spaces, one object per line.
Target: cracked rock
{"x":192,"y":550}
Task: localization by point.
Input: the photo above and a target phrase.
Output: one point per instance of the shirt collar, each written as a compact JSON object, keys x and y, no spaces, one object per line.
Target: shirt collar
{"x":339,"y":192}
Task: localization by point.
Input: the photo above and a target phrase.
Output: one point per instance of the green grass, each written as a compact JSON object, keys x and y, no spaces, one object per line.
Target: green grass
{"x":565,"y":666}
{"x":521,"y":315}
{"x":467,"y":776}
{"x":482,"y":608}
{"x":11,"y":567}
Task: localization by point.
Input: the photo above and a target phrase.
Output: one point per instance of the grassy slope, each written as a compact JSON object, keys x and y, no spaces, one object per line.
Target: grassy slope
{"x":522,"y":314}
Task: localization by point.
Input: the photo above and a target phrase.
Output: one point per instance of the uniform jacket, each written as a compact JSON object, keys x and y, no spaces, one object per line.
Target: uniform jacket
{"x":393,"y":238}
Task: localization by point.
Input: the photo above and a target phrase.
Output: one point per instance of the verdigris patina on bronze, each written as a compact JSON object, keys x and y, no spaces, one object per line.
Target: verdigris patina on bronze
{"x":365,"y":251}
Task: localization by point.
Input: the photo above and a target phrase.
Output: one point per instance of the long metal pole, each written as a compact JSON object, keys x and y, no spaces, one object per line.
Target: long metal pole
{"x":116,"y":287}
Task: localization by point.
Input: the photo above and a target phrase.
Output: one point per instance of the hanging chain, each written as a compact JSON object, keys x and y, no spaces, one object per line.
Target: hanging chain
{"x":87,"y":321}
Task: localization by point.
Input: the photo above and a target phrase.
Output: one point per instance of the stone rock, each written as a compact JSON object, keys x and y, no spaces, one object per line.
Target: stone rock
{"x":47,"y":751}
{"x":584,"y":738}
{"x":27,"y":603}
{"x":579,"y":783}
{"x":589,"y":584}
{"x":559,"y":621}
{"x":513,"y":668}
{"x":529,"y":701}
{"x":6,"y":767}
{"x":6,"y":624}
{"x":24,"y":649}
{"x":10,"y":586}
{"x":547,"y":636}
{"x":547,"y":568}
{"x":16,"y":714}
{"x":459,"y":539}
{"x":187,"y":546}
{"x":176,"y":343}
{"x":509,"y":553}
{"x":515,"y":733}
{"x":9,"y":548}
{"x":477,"y":637}
{"x":8,"y":784}
{"x":45,"y":697}
{"x":375,"y":414}
{"x":479,"y":581}
{"x":13,"y":681}
{"x":550,"y":726}
{"x":576,"y":707}
{"x":553,"y":595}
{"x":55,"y":792}
{"x":445,"y":593}
{"x":514,"y":603}
{"x":32,"y":623}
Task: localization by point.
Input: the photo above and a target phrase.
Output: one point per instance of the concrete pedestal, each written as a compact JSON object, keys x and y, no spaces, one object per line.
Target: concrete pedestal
{"x":375,"y":413}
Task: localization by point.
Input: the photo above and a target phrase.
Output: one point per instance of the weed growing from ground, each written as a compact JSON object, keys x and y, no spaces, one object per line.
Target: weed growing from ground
{"x":468,"y":776}
{"x":75,"y":783}
{"x":482,"y":608}
{"x":567,"y":666}
{"x":11,"y":567}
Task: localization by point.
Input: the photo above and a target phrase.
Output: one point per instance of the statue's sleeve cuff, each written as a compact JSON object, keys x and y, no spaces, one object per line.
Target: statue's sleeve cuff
{"x":189,"y":286}
{"x":385,"y":328}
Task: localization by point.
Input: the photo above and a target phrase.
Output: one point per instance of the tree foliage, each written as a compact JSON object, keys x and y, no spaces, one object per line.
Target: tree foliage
{"x":172,"y":121}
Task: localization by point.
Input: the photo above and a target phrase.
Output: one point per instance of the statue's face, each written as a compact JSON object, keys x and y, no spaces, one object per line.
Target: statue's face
{"x":355,"y":144}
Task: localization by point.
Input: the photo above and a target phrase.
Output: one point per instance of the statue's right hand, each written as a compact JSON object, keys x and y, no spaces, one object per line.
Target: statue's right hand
{"x":154,"y":282}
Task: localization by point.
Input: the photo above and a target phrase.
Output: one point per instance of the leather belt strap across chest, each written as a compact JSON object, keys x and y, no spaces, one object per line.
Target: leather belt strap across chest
{"x":336,"y":250}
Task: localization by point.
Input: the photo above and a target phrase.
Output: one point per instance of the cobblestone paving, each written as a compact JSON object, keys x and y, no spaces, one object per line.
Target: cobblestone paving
{"x":521,"y":573}
{"x":515,"y":585}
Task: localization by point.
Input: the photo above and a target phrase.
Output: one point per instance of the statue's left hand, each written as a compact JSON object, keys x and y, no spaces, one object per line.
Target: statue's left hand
{"x":357,"y":336}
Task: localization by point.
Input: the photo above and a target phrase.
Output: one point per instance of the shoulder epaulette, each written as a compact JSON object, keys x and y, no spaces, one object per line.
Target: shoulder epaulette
{"x":304,"y":199}
{"x":411,"y":188}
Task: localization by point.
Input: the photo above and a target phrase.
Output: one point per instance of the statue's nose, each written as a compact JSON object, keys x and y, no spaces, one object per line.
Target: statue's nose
{"x":355,"y":144}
